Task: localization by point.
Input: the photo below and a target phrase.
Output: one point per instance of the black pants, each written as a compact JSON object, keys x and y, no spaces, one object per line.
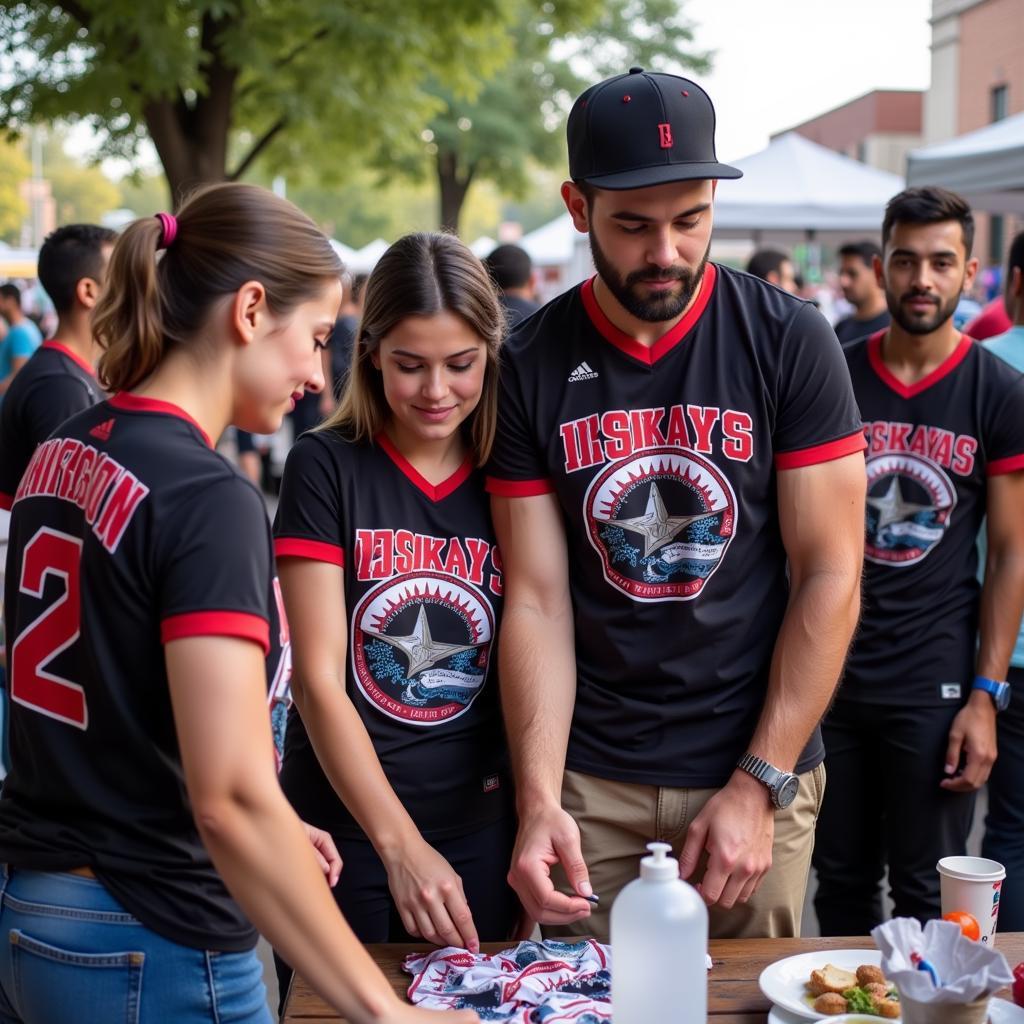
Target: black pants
{"x":883,"y":807}
{"x":481,"y":860}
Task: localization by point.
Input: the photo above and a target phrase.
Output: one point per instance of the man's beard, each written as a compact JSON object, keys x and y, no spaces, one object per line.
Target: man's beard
{"x":916,"y":324}
{"x":656,"y":308}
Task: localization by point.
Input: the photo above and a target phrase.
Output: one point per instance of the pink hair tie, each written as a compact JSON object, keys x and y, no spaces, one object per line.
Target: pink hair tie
{"x":170,"y":225}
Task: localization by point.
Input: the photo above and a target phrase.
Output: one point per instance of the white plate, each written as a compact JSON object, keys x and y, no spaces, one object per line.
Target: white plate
{"x":1002,"y":1011}
{"x":785,"y":981}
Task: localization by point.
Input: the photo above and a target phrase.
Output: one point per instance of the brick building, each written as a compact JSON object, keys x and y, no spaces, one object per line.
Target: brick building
{"x":977,"y":78}
{"x":878,"y":128}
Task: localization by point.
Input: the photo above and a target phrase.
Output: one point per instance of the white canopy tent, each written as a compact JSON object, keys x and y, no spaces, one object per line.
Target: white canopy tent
{"x":985,"y":166}
{"x":795,"y":189}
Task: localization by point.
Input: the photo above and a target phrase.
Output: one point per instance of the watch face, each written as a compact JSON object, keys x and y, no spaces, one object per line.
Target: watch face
{"x":1002,"y":697}
{"x":786,"y":793}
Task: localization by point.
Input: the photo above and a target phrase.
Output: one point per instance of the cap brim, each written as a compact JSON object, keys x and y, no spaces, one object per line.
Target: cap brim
{"x":663,"y":174}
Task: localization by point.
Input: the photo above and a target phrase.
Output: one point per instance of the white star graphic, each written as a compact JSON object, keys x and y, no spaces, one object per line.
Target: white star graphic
{"x":420,"y":648}
{"x":656,"y":526}
{"x":893,"y":508}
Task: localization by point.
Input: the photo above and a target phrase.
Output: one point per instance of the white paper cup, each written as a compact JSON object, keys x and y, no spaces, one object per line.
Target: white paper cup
{"x":972,"y":884}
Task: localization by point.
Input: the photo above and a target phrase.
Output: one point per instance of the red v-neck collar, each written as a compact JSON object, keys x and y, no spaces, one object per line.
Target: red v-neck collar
{"x":434,"y":492}
{"x":944,"y":369}
{"x":648,"y":354}
{"x":137,"y":403}
{"x":59,"y":346}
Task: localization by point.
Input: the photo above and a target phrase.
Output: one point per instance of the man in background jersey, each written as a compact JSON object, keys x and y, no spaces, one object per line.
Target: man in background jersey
{"x":670,"y":432}
{"x":59,"y":379}
{"x":861,"y":289}
{"x":912,"y":735}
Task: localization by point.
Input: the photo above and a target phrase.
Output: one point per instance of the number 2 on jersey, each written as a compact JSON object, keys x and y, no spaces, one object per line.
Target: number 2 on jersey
{"x":48,"y":553}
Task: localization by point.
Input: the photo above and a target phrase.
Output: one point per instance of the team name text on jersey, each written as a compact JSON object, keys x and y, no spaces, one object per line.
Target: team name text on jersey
{"x":949,"y":450}
{"x":381,"y":554}
{"x":607,"y":437}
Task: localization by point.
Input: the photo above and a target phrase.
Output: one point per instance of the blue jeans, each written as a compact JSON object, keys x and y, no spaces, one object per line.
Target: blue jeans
{"x":70,"y":952}
{"x":1004,"y":826}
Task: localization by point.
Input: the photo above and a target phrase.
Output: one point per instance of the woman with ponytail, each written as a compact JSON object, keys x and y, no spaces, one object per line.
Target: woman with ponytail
{"x":142,"y":827}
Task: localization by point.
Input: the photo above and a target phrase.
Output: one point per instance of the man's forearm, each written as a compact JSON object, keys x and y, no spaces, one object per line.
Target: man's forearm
{"x":1002,"y":603}
{"x":808,"y":660}
{"x":538,"y":690}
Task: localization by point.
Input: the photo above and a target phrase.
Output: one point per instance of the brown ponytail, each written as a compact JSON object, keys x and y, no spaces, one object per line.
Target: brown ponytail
{"x":227,"y":234}
{"x":127,"y":322}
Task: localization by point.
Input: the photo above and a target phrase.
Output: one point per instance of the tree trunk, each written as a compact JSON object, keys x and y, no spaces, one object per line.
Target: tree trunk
{"x":453,"y":187}
{"x":191,"y":139}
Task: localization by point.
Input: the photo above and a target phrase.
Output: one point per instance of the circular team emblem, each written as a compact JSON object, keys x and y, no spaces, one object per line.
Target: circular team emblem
{"x":910,"y":502}
{"x":421,"y":645}
{"x":661,"y":522}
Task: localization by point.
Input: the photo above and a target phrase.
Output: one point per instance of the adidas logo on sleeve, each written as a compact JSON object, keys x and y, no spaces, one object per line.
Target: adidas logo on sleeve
{"x":582,"y":372}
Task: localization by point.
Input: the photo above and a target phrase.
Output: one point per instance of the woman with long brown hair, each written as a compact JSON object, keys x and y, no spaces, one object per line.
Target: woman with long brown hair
{"x":142,"y":801}
{"x":392,"y":583}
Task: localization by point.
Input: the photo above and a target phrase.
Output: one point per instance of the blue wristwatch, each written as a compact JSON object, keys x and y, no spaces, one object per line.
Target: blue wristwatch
{"x":999,"y":692}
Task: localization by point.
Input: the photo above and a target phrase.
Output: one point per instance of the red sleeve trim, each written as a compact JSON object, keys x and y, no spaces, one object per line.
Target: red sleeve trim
{"x":6,"y":502}
{"x":318,"y":550}
{"x":517,"y":488}
{"x":240,"y":624}
{"x":1008,"y":465}
{"x":827,"y":452}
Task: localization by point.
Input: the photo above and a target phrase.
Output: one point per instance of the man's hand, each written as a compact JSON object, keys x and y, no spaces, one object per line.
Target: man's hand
{"x":736,"y":827}
{"x":972,"y":735}
{"x":545,"y":838}
{"x":327,"y":855}
{"x":429,"y":896}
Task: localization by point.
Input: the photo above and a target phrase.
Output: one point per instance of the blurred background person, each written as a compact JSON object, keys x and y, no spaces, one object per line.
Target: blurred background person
{"x":775,"y":267}
{"x":23,"y":337}
{"x":1004,"y":826}
{"x":859,"y":282}
{"x":511,"y":269}
{"x":343,"y":340}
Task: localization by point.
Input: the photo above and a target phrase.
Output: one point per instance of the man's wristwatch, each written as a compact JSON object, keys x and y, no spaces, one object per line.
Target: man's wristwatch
{"x":999,"y":692}
{"x":782,"y":786}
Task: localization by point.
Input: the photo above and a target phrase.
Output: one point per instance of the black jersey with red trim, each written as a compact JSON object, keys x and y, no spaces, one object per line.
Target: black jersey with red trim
{"x":422,"y":582}
{"x":931,"y":448}
{"x":51,"y":387}
{"x":128,"y":531}
{"x":664,"y":462}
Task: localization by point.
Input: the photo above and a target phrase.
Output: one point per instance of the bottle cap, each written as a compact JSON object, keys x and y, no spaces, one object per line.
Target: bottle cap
{"x":659,"y":867}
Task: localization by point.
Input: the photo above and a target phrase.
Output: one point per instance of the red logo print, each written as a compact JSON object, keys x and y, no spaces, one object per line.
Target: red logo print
{"x":665,"y":135}
{"x":102,"y":430}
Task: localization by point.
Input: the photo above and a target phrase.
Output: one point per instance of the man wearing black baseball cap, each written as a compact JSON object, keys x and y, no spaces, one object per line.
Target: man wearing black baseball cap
{"x":672,"y":435}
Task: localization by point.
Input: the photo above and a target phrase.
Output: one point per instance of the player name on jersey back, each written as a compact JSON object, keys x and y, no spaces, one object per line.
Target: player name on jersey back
{"x":106,"y":492}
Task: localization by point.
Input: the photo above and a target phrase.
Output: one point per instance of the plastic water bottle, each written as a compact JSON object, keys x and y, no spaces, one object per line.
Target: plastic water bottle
{"x":659,"y":937}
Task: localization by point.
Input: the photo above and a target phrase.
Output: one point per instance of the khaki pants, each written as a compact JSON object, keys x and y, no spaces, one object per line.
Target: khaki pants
{"x":618,"y":819}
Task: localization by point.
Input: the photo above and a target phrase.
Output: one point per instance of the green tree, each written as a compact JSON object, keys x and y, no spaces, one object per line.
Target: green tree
{"x":81,"y":191}
{"x":14,"y":170}
{"x":218,"y":84}
{"x":518,"y":116}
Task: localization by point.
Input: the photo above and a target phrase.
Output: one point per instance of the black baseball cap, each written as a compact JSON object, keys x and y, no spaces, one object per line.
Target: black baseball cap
{"x":643,"y":128}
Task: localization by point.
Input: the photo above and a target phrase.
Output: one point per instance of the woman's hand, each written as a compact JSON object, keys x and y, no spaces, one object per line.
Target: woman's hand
{"x":327,"y":855}
{"x":429,"y":897}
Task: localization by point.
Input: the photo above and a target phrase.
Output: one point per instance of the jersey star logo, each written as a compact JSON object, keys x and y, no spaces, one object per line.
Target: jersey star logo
{"x":421,"y":649}
{"x":656,"y":526}
{"x":892,"y":507}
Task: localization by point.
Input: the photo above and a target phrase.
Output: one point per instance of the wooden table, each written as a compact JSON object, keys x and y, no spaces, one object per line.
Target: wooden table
{"x":733,"y":995}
